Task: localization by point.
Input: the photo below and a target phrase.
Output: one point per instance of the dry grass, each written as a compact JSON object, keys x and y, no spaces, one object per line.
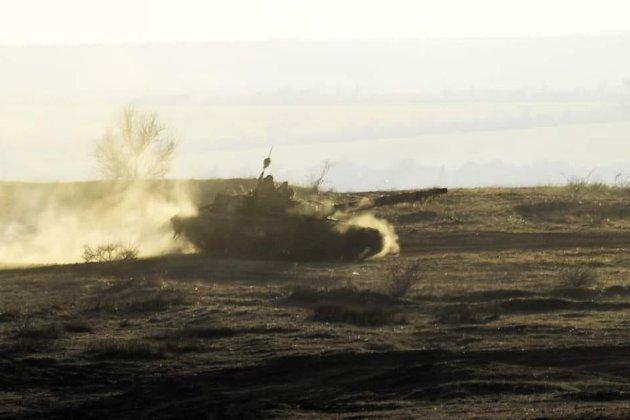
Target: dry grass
{"x":466,"y":314}
{"x":199,"y":325}
{"x":137,"y":296}
{"x":401,"y":277}
{"x":78,"y":326}
{"x":308,"y":296}
{"x":362,"y":316}
{"x":577,"y":277}
{"x":38,"y":330}
{"x":30,"y":336}
{"x":581,"y":187}
{"x":124,"y":349}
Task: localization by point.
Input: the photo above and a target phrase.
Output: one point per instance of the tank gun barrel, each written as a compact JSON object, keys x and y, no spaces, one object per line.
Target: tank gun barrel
{"x":390,"y":200}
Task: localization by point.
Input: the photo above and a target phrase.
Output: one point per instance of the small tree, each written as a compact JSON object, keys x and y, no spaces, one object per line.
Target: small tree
{"x":138,"y":148}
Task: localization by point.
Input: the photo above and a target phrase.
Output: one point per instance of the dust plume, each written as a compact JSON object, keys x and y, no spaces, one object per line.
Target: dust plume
{"x":390,"y":239}
{"x":52,"y":223}
{"x":366,"y":219}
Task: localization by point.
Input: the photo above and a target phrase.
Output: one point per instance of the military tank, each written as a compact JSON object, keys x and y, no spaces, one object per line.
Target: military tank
{"x":268,"y":222}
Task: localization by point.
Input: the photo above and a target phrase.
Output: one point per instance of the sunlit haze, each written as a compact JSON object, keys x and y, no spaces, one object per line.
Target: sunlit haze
{"x":405,"y":93}
{"x":119,"y":21}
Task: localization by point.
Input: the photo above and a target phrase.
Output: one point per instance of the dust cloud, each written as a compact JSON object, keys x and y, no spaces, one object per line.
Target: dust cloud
{"x":326,"y":208}
{"x":386,"y":229}
{"x":52,"y":223}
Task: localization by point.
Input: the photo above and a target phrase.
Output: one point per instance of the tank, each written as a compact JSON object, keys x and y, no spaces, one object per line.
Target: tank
{"x":269,"y":223}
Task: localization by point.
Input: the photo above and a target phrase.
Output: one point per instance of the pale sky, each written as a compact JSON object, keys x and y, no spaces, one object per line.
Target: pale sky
{"x":28,"y":22}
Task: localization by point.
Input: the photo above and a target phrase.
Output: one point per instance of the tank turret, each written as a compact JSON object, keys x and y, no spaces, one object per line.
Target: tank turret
{"x":269,"y":223}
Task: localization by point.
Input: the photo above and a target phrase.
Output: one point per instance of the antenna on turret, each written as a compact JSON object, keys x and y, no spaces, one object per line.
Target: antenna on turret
{"x":267,"y":160}
{"x":266,"y":164}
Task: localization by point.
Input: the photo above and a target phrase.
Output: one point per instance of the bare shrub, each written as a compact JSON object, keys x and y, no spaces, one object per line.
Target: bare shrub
{"x":580,"y":187}
{"x":577,"y":277}
{"x":109,"y":252}
{"x":621,"y":182}
{"x":401,"y":277}
{"x":316,"y":181}
{"x":139,"y":148}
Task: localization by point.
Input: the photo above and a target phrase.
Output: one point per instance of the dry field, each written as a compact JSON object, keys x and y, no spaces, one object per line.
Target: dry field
{"x":502,"y":303}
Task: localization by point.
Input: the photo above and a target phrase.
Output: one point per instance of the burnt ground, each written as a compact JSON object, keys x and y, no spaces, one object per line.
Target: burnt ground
{"x":520,"y":307}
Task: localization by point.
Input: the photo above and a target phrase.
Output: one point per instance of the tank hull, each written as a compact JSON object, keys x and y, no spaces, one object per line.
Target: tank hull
{"x":288,"y":237}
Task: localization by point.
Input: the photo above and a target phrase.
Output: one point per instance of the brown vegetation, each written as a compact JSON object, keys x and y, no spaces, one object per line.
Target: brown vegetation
{"x":499,"y":313}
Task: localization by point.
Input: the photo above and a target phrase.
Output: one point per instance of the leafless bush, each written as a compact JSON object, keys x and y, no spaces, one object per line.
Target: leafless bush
{"x":316,"y":181}
{"x":139,"y":148}
{"x":401,"y":277}
{"x":109,"y":252}
{"x":578,"y":277}
{"x":580,"y":187}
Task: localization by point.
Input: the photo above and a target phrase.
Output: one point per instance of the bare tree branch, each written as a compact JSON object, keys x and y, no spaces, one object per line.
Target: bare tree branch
{"x":140,"y":148}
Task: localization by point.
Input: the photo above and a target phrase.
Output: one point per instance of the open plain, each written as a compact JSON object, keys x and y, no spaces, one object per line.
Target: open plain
{"x":501,"y":303}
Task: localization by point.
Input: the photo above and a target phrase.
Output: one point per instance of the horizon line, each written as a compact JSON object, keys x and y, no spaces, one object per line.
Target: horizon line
{"x":602,"y":34}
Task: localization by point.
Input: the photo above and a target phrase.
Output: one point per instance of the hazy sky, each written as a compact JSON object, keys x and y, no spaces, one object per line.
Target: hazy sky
{"x":27,"y":22}
{"x":397,"y":93}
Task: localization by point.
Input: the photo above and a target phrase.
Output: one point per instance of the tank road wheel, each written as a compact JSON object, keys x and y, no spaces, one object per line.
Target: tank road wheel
{"x":361,"y":243}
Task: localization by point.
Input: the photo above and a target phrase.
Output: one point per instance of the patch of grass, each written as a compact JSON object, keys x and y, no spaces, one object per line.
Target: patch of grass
{"x":78,"y":326}
{"x":25,"y":346}
{"x":212,"y":333}
{"x":577,"y":277}
{"x":201,"y":332}
{"x":356,"y":315}
{"x":417,"y":217}
{"x":550,"y":304}
{"x":580,"y":187}
{"x":401,"y":277}
{"x":307,"y":295}
{"x":544,"y":210}
{"x":7,"y":315}
{"x":617,"y":291}
{"x":28,"y":329}
{"x":180,"y":345}
{"x":139,"y":296}
{"x":467,"y":314}
{"x":593,"y":212}
{"x":192,"y":339}
{"x":32,"y":337}
{"x":127,"y":349}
